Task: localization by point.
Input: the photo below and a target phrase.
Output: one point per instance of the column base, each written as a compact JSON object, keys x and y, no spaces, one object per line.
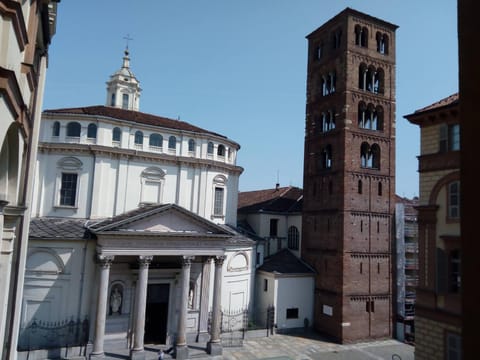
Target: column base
{"x":181,"y":352}
{"x":97,"y":356}
{"x":137,"y":354}
{"x":215,"y":348}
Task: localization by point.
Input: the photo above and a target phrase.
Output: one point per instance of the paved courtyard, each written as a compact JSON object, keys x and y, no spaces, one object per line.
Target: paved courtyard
{"x":296,"y":347}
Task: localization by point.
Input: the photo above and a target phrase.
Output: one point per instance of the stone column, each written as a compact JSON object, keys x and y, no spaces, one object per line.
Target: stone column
{"x":140,"y":305}
{"x":214,"y":347}
{"x":181,"y":345}
{"x":204,"y":301}
{"x":104,"y":263}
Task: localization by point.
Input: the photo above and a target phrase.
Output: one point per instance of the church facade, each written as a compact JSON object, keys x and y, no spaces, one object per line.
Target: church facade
{"x":131,"y":239}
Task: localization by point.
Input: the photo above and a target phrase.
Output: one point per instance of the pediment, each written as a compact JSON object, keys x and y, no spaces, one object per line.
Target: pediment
{"x":159,"y":219}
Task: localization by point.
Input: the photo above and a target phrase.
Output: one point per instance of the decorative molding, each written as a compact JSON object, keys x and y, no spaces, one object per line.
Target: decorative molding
{"x":69,"y":163}
{"x":105,"y":260}
{"x":144,"y":260}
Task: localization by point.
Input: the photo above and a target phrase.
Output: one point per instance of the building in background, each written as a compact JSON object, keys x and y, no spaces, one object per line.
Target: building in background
{"x":27,"y":30}
{"x":284,"y":282}
{"x":438,"y":299}
{"x":406,"y":260}
{"x":273,"y":217}
{"x":132,"y":235}
{"x":349,"y":174}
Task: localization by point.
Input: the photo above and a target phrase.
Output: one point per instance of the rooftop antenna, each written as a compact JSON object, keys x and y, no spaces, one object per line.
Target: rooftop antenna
{"x":277,"y":185}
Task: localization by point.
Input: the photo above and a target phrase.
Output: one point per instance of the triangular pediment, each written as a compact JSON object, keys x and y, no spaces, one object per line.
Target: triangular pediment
{"x":159,"y":219}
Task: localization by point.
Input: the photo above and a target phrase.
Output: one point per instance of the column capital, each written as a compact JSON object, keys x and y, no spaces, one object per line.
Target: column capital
{"x":144,"y":260}
{"x":105,"y":260}
{"x":220,"y":259}
{"x":187,"y":260}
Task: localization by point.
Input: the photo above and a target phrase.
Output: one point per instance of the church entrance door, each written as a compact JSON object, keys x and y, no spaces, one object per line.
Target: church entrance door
{"x":156,"y":313}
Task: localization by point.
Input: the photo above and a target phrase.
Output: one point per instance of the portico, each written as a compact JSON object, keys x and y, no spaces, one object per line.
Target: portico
{"x":141,"y":247}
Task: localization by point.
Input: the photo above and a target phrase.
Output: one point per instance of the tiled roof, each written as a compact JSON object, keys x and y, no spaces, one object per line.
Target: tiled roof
{"x":281,"y":199}
{"x":61,"y":228}
{"x":133,"y":116}
{"x":285,"y":262}
{"x":449,"y":100}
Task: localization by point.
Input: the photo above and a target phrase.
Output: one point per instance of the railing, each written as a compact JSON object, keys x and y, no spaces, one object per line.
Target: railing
{"x":49,"y":335}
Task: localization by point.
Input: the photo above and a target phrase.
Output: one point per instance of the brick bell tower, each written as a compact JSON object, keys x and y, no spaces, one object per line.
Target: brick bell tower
{"x":349,"y":174}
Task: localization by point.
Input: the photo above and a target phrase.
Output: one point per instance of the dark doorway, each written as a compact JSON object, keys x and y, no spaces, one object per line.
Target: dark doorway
{"x":156,"y":313}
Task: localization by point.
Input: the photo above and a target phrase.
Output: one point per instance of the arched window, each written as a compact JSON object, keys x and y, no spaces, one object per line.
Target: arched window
{"x":332,"y":82}
{"x":318,"y":52}
{"x":221,"y":150}
{"x":117,"y":134}
{"x":112,"y":100}
{"x":364,"y":154}
{"x":210,"y":148}
{"x":327,"y":157}
{"x":362,"y":111}
{"x":323,"y":84}
{"x":73,"y":129}
{"x":370,"y":78}
{"x":364,"y":37}
{"x":293,"y":238}
{"x":191,"y":145}
{"x":155,"y":140}
{"x":379,"y":188}
{"x":382,"y":43}
{"x":92,"y":131}
{"x":336,"y":38}
{"x":138,"y":138}
{"x":362,"y":77}
{"x":378,"y":81}
{"x":172,"y":142}
{"x":56,"y":129}
{"x":361,"y":36}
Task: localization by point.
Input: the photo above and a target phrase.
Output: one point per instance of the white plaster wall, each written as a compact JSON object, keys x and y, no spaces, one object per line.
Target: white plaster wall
{"x":294,"y":292}
{"x":47,"y":187}
{"x":236,"y":281}
{"x":263,"y":298}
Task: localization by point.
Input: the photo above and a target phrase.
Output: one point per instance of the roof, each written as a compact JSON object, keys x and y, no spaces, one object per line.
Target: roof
{"x":131,"y":116}
{"x":353,"y":12}
{"x":279,"y":199}
{"x":285,"y":262}
{"x":449,"y":101}
{"x":58,"y":228}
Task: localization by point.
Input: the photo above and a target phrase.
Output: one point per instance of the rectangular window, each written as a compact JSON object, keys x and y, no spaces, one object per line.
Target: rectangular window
{"x":125,"y":101}
{"x":292,"y":313}
{"x":218,"y":201}
{"x":273,"y":227}
{"x":454,"y":346}
{"x":265,"y":284}
{"x":454,"y":200}
{"x":68,"y":189}
{"x":449,"y":138}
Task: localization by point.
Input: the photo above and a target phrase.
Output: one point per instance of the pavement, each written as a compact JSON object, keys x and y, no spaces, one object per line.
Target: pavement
{"x":291,"y":347}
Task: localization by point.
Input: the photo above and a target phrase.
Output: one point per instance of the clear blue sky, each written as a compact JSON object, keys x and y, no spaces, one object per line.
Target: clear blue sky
{"x":238,"y":67}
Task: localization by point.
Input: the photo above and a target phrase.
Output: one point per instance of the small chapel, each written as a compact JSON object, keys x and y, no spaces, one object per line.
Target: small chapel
{"x":132,"y":237}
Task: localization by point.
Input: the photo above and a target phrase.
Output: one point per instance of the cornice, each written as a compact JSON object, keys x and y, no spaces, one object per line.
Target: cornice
{"x":132,"y":154}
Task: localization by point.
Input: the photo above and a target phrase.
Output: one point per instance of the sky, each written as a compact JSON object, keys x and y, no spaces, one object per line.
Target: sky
{"x":238,"y":68}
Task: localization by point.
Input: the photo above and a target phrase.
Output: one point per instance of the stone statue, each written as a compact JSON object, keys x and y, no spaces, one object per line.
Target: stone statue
{"x":115,"y":300}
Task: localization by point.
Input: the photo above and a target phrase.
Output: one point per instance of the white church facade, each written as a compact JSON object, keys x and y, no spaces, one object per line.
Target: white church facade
{"x":132,"y":234}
